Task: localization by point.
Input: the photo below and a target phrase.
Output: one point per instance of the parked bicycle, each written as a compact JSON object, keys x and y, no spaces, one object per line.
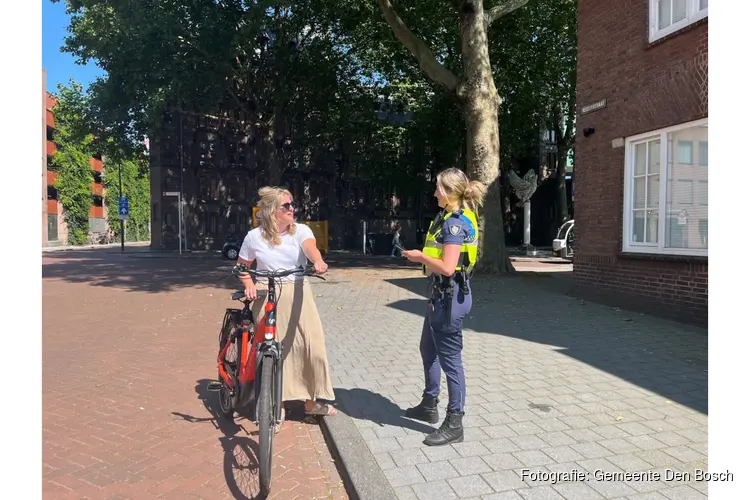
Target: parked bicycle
{"x":251,"y":364}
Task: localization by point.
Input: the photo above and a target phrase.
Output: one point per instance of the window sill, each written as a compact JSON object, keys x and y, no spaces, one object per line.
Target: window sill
{"x":690,"y":259}
{"x":664,"y":38}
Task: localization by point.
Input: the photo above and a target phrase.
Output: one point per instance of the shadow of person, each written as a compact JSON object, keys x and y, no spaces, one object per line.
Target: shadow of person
{"x":362,"y":404}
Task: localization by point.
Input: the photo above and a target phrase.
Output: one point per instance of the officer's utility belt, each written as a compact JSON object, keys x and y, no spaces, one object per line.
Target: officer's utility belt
{"x":444,"y":284}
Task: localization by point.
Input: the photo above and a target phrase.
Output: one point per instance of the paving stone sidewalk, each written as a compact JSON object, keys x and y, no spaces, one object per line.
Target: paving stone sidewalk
{"x":554,"y":384}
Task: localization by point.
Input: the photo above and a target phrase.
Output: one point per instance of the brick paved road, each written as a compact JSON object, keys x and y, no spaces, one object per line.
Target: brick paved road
{"x":129,"y":346}
{"x":554,"y":384}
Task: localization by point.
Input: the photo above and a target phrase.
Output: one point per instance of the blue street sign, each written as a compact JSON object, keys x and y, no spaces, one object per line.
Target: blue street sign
{"x":124,"y":209}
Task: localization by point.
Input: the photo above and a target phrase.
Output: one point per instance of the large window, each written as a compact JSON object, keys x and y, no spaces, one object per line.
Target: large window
{"x":668,"y":16}
{"x":665,"y":210}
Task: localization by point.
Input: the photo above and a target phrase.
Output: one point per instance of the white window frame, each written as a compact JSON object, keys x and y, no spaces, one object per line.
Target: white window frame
{"x":627,"y":206}
{"x":694,"y":14}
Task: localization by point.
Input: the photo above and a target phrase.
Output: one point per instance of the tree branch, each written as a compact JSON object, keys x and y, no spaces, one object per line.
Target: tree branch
{"x":427,"y":61}
{"x":505,"y":7}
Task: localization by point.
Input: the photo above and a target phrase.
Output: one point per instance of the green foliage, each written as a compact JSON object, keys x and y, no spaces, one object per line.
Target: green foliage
{"x":71,"y":162}
{"x":534,"y":58}
{"x":532,"y":50}
{"x":77,"y":142}
{"x":310,"y":74}
{"x":326,"y":64}
{"x":135,"y":186}
{"x":264,"y":57}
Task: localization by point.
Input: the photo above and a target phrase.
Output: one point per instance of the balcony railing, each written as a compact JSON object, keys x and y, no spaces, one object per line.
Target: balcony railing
{"x":51,"y":148}
{"x":50,"y":119}
{"x":97,"y":189}
{"x":52,"y":207}
{"x":51,"y":177}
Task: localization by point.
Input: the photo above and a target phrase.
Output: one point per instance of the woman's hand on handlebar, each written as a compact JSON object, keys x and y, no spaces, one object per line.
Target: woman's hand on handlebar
{"x":251,"y":293}
{"x":320,"y":267}
{"x":241,"y":270}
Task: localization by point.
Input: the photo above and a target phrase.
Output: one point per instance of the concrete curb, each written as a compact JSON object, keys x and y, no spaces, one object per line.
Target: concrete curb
{"x":361,"y":473}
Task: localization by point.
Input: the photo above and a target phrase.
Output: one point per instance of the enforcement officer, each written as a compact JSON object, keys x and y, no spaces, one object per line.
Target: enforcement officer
{"x":448,"y":259}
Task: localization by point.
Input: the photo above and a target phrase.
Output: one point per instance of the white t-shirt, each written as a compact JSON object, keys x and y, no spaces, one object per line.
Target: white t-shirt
{"x":288,"y":255}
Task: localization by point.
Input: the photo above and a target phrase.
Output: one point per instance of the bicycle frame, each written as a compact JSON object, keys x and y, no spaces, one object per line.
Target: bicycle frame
{"x":263,"y":344}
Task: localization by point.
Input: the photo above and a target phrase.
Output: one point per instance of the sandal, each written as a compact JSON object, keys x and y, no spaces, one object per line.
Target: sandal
{"x":320,"y":409}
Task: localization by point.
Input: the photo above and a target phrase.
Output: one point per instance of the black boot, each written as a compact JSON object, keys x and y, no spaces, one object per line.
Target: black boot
{"x":426,"y":411}
{"x":452,"y":431}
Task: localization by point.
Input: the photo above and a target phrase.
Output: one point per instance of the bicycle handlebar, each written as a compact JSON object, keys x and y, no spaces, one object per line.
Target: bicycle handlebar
{"x":243,"y":269}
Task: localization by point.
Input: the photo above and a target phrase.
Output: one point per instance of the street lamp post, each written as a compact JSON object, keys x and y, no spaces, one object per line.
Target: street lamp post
{"x":122,"y":220}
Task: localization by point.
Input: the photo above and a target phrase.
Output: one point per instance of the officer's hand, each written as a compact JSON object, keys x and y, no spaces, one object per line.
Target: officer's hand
{"x":414,"y":255}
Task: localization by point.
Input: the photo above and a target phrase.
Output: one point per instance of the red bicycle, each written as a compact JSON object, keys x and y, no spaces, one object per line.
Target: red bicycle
{"x":251,"y":364}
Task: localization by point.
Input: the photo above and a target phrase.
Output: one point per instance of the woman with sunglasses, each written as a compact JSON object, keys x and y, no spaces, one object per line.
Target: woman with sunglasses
{"x":281,"y":243}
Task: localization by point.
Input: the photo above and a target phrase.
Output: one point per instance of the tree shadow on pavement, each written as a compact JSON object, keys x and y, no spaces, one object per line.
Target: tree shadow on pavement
{"x":362,"y":404}
{"x":139,"y":272}
{"x":661,"y":356}
{"x":157,"y":272}
{"x":240,"y":452}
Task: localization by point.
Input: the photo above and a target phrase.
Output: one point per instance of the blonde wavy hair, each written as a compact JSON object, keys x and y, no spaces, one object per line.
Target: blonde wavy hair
{"x":269,"y":204}
{"x":460,"y":191}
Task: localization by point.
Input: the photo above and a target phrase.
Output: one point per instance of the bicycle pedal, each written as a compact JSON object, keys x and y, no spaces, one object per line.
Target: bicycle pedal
{"x":214,"y":386}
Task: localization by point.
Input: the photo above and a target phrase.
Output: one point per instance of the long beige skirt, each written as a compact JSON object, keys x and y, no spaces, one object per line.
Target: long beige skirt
{"x":298,"y":325}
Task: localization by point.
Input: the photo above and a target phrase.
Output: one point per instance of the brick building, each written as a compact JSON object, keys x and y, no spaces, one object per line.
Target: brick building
{"x":54,"y":230}
{"x":642,"y":152}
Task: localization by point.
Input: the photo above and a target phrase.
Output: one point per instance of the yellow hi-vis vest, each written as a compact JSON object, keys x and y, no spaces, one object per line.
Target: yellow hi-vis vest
{"x":433,"y":248}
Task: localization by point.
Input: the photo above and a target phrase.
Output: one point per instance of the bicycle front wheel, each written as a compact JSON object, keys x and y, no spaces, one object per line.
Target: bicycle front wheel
{"x":266,"y":417}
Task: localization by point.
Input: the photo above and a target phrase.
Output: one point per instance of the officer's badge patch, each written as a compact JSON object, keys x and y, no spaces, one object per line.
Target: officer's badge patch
{"x":454,"y":230}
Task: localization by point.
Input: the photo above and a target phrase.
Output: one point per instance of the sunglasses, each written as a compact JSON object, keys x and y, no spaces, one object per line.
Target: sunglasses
{"x":289,"y":205}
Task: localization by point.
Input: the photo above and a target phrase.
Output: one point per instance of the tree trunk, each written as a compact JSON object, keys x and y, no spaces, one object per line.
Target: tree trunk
{"x":481,"y":103}
{"x":562,"y":189}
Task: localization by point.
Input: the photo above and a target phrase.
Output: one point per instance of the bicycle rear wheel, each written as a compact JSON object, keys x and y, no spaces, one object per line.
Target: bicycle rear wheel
{"x":266,"y":417}
{"x":228,"y":397}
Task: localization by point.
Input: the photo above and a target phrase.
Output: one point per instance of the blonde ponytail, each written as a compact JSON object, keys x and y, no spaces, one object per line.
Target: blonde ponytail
{"x":457,"y":187}
{"x":473,"y":195}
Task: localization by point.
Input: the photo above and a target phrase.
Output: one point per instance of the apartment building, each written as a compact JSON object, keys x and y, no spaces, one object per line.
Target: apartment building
{"x":54,"y":230}
{"x":642,"y":152}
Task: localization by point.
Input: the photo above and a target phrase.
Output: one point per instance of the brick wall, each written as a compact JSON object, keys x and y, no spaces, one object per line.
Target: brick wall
{"x":671,"y":287}
{"x":647,"y":86}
